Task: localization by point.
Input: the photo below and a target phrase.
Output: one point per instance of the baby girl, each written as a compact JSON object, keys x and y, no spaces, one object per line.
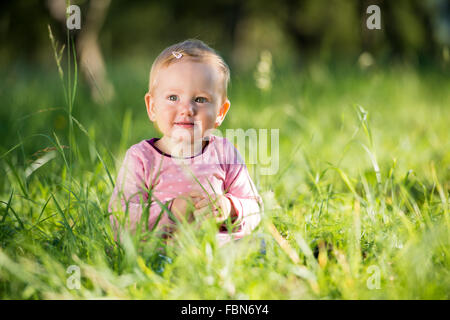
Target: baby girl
{"x":189,"y":173}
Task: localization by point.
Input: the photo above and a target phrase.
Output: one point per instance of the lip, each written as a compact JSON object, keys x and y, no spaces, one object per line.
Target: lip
{"x":184,"y":124}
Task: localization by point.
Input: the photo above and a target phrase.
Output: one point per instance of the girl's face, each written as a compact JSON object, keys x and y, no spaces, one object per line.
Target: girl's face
{"x":187,"y":100}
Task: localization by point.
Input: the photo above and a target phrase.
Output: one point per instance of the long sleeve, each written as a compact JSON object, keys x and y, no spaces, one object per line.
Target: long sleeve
{"x":131,"y":193}
{"x":244,"y":197}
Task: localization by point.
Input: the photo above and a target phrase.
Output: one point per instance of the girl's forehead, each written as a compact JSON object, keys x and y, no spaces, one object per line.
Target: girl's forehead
{"x":189,"y":74}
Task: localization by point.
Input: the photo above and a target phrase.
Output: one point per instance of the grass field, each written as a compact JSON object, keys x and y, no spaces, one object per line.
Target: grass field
{"x":359,"y":208}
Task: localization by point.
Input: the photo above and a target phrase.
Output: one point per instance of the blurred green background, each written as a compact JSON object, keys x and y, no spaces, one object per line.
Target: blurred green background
{"x":122,"y":38}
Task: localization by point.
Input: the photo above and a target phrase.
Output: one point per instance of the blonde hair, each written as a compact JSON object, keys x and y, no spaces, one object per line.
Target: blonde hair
{"x":194,"y":49}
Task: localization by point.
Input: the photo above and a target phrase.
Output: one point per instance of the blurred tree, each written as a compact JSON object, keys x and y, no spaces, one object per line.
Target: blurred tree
{"x":89,"y":53}
{"x":291,"y":29}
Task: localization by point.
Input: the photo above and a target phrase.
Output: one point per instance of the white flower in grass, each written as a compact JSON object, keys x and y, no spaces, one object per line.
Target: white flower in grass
{"x":263,"y":73}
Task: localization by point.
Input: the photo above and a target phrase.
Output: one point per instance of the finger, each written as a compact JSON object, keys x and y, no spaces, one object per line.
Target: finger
{"x":196,"y":194}
{"x":203,"y":203}
{"x":201,"y":213}
{"x":204,"y":213}
{"x":195,"y":200}
{"x":202,"y":195}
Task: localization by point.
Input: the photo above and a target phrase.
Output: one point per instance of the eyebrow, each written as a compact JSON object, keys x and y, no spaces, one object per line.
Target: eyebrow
{"x":206,"y":93}
{"x":166,"y":91}
{"x":176,"y":91}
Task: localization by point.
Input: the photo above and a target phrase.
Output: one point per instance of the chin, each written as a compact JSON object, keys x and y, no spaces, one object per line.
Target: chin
{"x":184,"y":135}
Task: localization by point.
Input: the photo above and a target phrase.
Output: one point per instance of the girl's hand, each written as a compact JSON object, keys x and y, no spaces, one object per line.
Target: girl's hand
{"x":219,"y":204}
{"x":180,"y":207}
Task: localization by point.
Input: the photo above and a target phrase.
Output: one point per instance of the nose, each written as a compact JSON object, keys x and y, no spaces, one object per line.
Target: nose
{"x":187,"y":109}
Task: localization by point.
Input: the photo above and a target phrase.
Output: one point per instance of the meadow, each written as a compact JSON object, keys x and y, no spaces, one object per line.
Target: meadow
{"x":359,"y":208}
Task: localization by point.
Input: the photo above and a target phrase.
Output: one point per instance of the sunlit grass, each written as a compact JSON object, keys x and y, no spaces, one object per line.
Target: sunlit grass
{"x":362,"y":189}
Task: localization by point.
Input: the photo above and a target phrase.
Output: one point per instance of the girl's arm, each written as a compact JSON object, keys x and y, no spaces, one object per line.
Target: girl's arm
{"x":246,"y":203}
{"x":131,"y":193}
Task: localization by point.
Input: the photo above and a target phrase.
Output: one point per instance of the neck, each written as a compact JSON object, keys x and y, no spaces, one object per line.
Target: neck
{"x":177,"y":148}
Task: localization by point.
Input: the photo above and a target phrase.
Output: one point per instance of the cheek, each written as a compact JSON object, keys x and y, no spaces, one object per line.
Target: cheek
{"x":209,"y":115}
{"x":166,"y":113}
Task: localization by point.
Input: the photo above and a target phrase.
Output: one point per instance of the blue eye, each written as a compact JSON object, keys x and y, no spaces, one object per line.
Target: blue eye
{"x":201,"y":100}
{"x":173,"y":97}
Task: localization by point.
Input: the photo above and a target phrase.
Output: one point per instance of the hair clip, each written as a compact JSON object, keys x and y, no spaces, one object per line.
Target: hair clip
{"x":177,"y":54}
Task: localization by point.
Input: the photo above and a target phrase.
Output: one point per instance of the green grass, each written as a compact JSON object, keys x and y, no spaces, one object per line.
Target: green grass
{"x":363,"y":186}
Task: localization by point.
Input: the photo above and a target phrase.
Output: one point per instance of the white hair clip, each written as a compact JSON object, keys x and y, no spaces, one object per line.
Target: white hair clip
{"x":177,"y":54}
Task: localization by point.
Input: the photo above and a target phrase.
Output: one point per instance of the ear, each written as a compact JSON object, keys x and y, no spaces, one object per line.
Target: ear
{"x":149,"y":103}
{"x":222,"y":113}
